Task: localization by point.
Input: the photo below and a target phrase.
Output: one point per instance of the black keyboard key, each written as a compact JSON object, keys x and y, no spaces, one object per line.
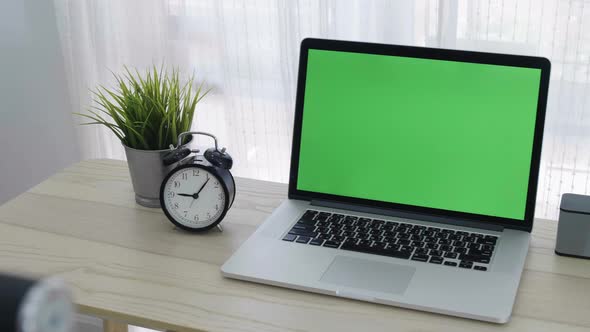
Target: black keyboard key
{"x":421,"y":251}
{"x":429,"y":239}
{"x":416,"y":231}
{"x":420,"y":257}
{"x":338,"y":238}
{"x":461,"y":233}
{"x":404,"y":242}
{"x":374,"y":238}
{"x":365,"y":236}
{"x":355,"y":245}
{"x":306,"y":221}
{"x":487,"y":247}
{"x":477,"y":259}
{"x":322,"y":224}
{"x":290,"y":237}
{"x":375,"y":228}
{"x":470,"y":239}
{"x":348,"y":233}
{"x":365,"y":243}
{"x":483,"y":260}
{"x":480,"y":268}
{"x":310,"y":214}
{"x":435,"y":253}
{"x":417,"y":244}
{"x":388,"y":226}
{"x":455,"y":237}
{"x":364,"y":221}
{"x":389,"y":239}
{"x":491,"y":238}
{"x":350,"y":219}
{"x":407,"y":248}
{"x":337,"y":219}
{"x":303,"y":239}
{"x":458,"y":243}
{"x":392,"y":252}
{"x":350,"y":241}
{"x":377,"y":249}
{"x":322,"y":230}
{"x":394,"y":246}
{"x":451,"y":255}
{"x":465,"y":264}
{"x":316,"y":242}
{"x":429,"y":233}
{"x":473,"y":246}
{"x":302,"y":233}
{"x":404,"y":236}
{"x":321,"y":217}
{"x":444,"y":241}
{"x":431,"y":245}
{"x":379,"y":245}
{"x":331,"y":244}
{"x":460,"y":250}
{"x":389,"y":233}
{"x":435,"y":260}
{"x":445,"y":248}
{"x":304,"y":226}
{"x":448,"y":263}
{"x":417,"y":238}
{"x":325,"y":236}
{"x":487,"y":240}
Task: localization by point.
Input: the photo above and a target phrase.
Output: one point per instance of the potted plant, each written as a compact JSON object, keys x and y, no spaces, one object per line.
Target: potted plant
{"x":147,"y":113}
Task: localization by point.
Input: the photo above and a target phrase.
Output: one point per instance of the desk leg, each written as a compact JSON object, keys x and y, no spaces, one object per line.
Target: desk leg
{"x":111,"y":326}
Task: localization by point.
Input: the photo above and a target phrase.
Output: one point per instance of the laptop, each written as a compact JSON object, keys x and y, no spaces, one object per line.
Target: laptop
{"x":412,"y":182}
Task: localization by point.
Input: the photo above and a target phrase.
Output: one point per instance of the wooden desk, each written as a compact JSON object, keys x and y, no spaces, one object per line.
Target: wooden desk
{"x":128,"y":264}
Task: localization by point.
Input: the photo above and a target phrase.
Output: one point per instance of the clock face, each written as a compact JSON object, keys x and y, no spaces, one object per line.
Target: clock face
{"x":194,"y":197}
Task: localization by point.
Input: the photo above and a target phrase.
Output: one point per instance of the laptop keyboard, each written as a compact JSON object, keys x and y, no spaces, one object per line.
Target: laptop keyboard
{"x":394,"y":239}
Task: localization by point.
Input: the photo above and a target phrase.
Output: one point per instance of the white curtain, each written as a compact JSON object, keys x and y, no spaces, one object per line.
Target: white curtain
{"x":247,"y":51}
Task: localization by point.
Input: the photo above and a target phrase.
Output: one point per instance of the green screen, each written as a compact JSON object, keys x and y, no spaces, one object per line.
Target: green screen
{"x":441,"y":134}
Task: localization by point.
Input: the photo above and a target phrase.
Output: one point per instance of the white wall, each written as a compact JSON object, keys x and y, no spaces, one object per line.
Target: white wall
{"x":37,"y":136}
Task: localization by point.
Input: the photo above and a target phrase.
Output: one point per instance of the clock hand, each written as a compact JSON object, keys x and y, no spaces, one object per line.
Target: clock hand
{"x":186,"y":195}
{"x":196,"y":195}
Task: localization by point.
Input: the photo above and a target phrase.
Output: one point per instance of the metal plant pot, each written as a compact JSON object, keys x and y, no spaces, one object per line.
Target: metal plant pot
{"x":147,"y":173}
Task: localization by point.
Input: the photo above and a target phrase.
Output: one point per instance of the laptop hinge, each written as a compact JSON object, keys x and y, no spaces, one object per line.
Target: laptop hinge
{"x":407,"y":215}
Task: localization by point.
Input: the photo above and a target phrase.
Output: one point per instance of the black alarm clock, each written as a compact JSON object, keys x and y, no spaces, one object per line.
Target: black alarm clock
{"x":197,"y":194}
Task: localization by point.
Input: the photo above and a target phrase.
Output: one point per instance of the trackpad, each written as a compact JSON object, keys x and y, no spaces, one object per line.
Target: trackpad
{"x":369,"y":275}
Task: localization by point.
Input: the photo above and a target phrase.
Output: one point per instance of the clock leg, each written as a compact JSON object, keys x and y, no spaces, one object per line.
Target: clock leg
{"x":112,"y":326}
{"x":219,"y":227}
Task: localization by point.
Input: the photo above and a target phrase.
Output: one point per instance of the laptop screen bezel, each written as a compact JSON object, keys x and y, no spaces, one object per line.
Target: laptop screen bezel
{"x":426,"y":53}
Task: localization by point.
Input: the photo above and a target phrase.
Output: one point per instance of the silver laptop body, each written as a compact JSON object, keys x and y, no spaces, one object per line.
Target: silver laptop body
{"x":390,"y":252}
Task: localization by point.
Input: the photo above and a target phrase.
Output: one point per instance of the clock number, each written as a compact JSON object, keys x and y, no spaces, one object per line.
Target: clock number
{"x":185,"y":213}
{"x":171,"y":194}
{"x":176,"y":184}
{"x":220,"y":196}
{"x":216,"y":207}
{"x":184,"y":176}
{"x":208,"y":215}
{"x":176,"y":205}
{"x":196,"y":217}
{"x":195,"y":172}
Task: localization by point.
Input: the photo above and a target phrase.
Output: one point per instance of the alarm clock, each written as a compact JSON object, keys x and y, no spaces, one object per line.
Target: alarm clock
{"x":196,"y":194}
